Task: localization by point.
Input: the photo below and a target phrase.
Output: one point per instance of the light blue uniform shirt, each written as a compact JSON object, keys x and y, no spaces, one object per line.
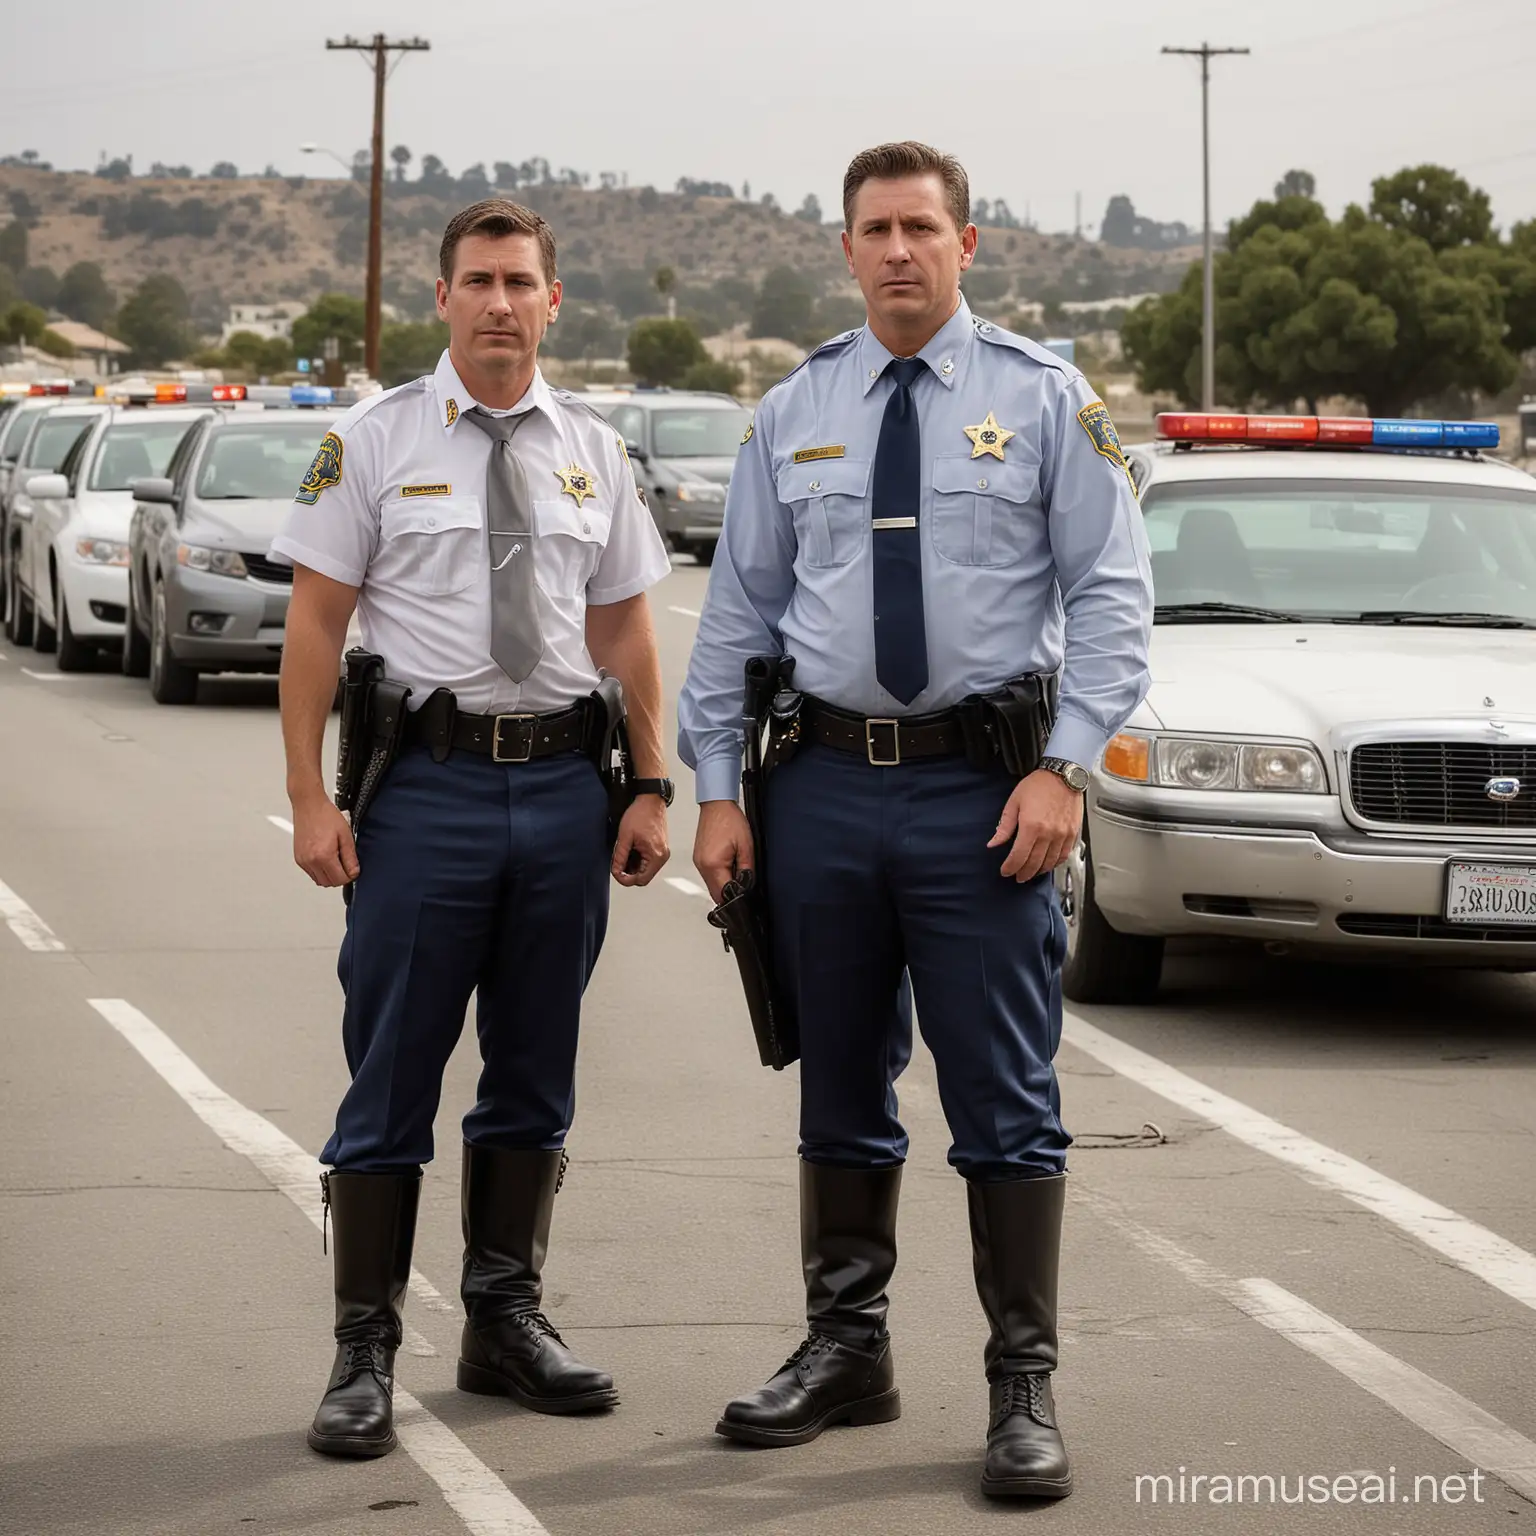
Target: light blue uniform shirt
{"x":1033,"y":563}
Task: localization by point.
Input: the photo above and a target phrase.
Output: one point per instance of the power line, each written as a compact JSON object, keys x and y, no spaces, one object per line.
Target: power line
{"x":1205,"y":53}
{"x":380,"y":48}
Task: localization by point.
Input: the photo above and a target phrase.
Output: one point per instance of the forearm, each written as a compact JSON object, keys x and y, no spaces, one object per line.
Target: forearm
{"x":623,"y":644}
{"x":311,"y":667}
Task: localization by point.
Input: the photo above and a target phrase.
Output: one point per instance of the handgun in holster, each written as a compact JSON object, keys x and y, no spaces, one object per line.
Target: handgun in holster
{"x":372,"y":720}
{"x":1010,"y":724}
{"x":608,"y":747}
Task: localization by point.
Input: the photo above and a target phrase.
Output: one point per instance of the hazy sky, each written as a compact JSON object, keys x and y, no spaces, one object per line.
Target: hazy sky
{"x":1041,"y":101}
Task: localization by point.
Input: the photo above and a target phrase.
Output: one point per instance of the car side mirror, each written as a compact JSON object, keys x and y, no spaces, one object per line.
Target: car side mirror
{"x":634,"y":450}
{"x":154,"y":489}
{"x":48,"y":487}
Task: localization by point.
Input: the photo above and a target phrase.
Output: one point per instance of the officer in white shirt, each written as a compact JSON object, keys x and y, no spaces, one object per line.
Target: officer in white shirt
{"x":487,"y":529}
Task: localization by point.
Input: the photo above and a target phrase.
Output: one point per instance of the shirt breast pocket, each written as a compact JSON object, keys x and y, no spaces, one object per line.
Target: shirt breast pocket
{"x":830,"y":502}
{"x":571,"y":542}
{"x":438,"y":541}
{"x":984,"y":513}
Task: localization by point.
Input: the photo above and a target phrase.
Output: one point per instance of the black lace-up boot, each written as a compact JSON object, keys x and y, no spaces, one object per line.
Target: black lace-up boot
{"x":842,"y":1373}
{"x":373,"y":1225}
{"x":1016,"y":1245}
{"x":510,"y":1349}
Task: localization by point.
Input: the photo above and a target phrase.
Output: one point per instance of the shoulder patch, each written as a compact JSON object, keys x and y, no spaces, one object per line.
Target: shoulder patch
{"x":1096,"y":423}
{"x":324,"y":472}
{"x":747,"y":436}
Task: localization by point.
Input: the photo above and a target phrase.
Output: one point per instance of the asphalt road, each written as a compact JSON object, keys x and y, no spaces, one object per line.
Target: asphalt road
{"x":1319,"y":1262}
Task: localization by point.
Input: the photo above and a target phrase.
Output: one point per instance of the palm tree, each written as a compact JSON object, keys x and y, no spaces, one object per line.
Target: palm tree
{"x":402,"y":158}
{"x":665,"y":280}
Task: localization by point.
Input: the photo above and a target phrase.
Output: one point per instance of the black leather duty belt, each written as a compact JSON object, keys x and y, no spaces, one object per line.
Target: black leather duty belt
{"x":515,"y":738}
{"x":885,"y":743}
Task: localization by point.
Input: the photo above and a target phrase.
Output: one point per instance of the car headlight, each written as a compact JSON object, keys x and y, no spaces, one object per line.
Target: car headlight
{"x":101,"y":551}
{"x":1189,"y":762}
{"x":705,"y":493}
{"x":222,"y":562}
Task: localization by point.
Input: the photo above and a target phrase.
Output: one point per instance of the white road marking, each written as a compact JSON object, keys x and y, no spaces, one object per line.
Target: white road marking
{"x":1453,"y":1420}
{"x":53,"y":677}
{"x":687,"y":613}
{"x":687,"y":887}
{"x":481,"y":1500}
{"x":281,"y":823}
{"x":26,"y":924}
{"x":1473,"y":1248}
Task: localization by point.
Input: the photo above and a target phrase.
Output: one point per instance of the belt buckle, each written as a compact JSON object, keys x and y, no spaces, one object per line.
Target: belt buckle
{"x":529,"y":722}
{"x":869,"y":744}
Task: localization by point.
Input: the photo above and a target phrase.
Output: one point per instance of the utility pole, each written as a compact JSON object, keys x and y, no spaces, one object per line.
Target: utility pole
{"x":1205,"y":53}
{"x":380,"y":48}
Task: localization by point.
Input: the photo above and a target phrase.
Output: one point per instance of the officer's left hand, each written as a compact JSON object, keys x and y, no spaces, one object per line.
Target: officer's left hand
{"x":1044,"y":817}
{"x":643,"y":832}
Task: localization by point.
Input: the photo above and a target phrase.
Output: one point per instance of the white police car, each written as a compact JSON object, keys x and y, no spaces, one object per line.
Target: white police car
{"x":1338,"y":752}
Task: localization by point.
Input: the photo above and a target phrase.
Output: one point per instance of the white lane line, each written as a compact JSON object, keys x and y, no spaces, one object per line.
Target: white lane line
{"x":281,"y":823}
{"x":53,"y":677}
{"x":687,"y":887}
{"x":1473,"y":1248}
{"x":1453,"y":1420}
{"x":481,"y":1500}
{"x":687,"y":613}
{"x":26,"y":924}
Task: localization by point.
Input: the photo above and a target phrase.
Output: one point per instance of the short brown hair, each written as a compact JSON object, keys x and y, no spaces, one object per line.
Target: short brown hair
{"x":496,"y":216}
{"x":909,"y":158}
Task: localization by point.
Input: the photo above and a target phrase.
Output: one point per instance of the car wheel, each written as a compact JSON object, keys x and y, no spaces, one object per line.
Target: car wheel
{"x":75,"y":655}
{"x":45,"y":638}
{"x":169,"y":681}
{"x":18,"y":611}
{"x":135,"y":657}
{"x":1102,"y":964}
{"x":704,"y":553}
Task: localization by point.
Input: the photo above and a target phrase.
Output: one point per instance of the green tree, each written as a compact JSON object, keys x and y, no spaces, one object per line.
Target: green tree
{"x":785,"y":304}
{"x":155,"y":321}
{"x":408,"y":350}
{"x":1435,"y":204}
{"x":55,"y":345}
{"x":810,"y":209}
{"x":257,"y":356}
{"x":1296,"y":184}
{"x":23,"y":322}
{"x":13,"y":247}
{"x":9,"y":292}
{"x":84,"y":295}
{"x":662,"y":351}
{"x":402,"y":158}
{"x":332,"y":314}
{"x":715,"y":377}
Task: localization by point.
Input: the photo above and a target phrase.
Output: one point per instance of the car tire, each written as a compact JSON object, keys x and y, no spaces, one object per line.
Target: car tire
{"x":135,"y":657}
{"x":1102,"y":964}
{"x":75,"y":655}
{"x":170,"y":682}
{"x":45,"y":638}
{"x":704,"y":553}
{"x":18,"y":611}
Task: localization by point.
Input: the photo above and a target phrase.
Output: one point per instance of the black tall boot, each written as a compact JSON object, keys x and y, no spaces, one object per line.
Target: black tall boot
{"x":1016,"y":1245}
{"x":373,"y":1226}
{"x":842,"y":1373}
{"x":510,"y":1349}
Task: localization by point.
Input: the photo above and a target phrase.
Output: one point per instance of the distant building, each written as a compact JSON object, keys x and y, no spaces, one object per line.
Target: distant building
{"x":272,"y":322}
{"x":100,"y":355}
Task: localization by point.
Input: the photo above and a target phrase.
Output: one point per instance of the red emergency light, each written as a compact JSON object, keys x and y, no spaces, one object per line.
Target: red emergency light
{"x":52,"y":387}
{"x":1338,"y":431}
{"x":177,"y":394}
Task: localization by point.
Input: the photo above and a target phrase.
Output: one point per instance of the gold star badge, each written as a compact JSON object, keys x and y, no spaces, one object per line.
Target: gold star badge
{"x":575,"y":481}
{"x":988,"y":438}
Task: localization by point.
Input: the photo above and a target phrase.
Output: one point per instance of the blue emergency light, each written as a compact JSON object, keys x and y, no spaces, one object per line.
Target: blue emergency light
{"x":312,"y":394}
{"x":1326,"y":431}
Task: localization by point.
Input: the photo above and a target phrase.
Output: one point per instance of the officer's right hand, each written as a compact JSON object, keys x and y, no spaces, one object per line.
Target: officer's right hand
{"x":723,"y":846}
{"x":322,"y":842}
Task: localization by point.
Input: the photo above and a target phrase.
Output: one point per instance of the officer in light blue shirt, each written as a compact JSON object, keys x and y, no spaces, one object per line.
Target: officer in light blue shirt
{"x":933,"y":518}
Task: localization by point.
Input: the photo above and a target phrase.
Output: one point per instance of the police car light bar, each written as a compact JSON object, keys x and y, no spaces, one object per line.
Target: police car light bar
{"x":1332,"y":431}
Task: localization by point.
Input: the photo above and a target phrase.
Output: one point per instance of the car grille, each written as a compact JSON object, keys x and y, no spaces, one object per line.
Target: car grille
{"x":1442,"y":783}
{"x":1394,"y":925}
{"x":269,"y":570}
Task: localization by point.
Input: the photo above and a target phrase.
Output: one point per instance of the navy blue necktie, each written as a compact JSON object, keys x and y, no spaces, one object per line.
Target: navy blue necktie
{"x":901,"y":639}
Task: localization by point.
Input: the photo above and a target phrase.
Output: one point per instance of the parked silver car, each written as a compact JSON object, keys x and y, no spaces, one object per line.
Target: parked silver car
{"x":1338,"y":752}
{"x":202,"y":594}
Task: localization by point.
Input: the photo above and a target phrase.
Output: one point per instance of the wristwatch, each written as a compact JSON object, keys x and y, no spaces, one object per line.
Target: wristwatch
{"x":663,"y":787}
{"x":1073,"y":775}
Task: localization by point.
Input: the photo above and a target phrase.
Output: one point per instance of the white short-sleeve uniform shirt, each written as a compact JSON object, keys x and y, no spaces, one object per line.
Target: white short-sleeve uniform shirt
{"x":395,"y":506}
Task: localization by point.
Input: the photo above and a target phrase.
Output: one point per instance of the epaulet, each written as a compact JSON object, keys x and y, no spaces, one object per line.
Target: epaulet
{"x":370,"y":403}
{"x":570,"y":397}
{"x":834,"y":344}
{"x":998,"y":337}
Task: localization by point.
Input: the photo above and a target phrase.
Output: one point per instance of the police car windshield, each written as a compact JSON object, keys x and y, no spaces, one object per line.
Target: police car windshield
{"x":136,"y":450}
{"x":259,"y":461}
{"x":698,"y":434}
{"x":1342,"y":551}
{"x":50,"y":447}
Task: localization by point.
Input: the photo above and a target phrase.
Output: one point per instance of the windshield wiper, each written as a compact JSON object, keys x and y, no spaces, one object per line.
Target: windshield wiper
{"x":1452,"y":620}
{"x":1221,"y":613}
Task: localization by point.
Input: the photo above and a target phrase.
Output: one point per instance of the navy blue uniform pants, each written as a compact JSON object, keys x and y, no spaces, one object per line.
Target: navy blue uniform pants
{"x":877,"y":872}
{"x":475,"y":877}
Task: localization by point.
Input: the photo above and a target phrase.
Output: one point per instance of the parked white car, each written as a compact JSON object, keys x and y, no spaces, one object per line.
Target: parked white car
{"x":73,"y":565}
{"x":1338,"y":752}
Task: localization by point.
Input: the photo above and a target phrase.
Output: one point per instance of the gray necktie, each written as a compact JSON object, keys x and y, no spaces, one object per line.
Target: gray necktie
{"x":517,"y":639}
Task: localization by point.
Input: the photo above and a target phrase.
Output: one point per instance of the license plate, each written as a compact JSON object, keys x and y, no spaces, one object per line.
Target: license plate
{"x":1490,"y":894}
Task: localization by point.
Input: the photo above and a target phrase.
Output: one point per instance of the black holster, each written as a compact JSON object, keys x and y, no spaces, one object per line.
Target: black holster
{"x":372,"y":720}
{"x":608,"y":747}
{"x":1010,"y":725}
